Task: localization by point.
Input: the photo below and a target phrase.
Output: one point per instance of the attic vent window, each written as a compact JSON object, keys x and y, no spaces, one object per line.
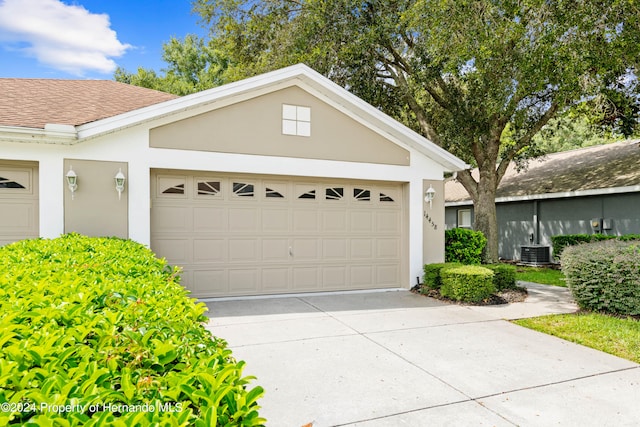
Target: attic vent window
{"x":296,"y":120}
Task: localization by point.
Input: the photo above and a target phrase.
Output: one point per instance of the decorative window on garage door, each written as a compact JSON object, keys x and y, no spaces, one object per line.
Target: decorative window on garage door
{"x":362,"y":195}
{"x":171,"y":186}
{"x":311,"y":194}
{"x":334,"y":193}
{"x":208,"y":188}
{"x":9,"y":183}
{"x":15,"y":180}
{"x":243,"y":189}
{"x":275,"y":190}
{"x":388,"y":195}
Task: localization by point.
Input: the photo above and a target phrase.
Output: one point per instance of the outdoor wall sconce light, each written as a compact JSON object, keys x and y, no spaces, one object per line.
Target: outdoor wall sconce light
{"x":72,"y":181}
{"x":120,"y":180}
{"x":429,"y":195}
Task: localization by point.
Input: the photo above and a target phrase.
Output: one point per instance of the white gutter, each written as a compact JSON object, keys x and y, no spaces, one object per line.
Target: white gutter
{"x":562,"y":195}
{"x":51,"y":134}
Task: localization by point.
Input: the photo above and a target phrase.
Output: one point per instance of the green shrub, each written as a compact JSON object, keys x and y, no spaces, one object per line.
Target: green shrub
{"x":431,"y":278}
{"x":103,"y":325}
{"x":604,"y":276}
{"x":562,"y":241}
{"x":504,"y":276}
{"x":464,"y":246}
{"x":469,"y":283}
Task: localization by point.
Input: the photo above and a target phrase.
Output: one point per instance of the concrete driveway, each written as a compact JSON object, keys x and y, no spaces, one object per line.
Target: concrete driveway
{"x":399,"y":359}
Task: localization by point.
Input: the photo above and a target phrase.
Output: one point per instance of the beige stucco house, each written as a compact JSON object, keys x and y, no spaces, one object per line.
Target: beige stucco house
{"x":281,"y":183}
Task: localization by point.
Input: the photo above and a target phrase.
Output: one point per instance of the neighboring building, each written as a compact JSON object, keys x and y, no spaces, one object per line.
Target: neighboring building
{"x":589,"y":190}
{"x":284,"y":182}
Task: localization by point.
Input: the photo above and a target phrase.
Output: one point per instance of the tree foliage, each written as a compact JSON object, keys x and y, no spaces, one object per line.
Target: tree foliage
{"x":481,"y":78}
{"x":193,"y":66}
{"x":462,"y":72}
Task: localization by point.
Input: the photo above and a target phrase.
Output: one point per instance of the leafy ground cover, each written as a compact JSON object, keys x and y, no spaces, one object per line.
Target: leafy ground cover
{"x":613,"y":335}
{"x":98,"y":331}
{"x":542,"y":275}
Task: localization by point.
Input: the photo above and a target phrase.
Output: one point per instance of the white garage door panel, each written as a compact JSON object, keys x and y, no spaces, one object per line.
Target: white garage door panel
{"x":387,"y":274}
{"x":275,"y":220}
{"x":16,"y":215}
{"x":18,"y":201}
{"x":209,"y":219}
{"x":203,"y":282}
{"x":362,"y":248}
{"x":173,"y":219}
{"x":275,"y":249}
{"x":176,"y":250}
{"x":209,"y":250}
{"x":250,"y":235}
{"x":275,"y":279}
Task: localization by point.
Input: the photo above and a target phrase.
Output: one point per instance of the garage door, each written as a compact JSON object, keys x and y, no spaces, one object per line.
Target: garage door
{"x":18,"y":201}
{"x":252,"y":235}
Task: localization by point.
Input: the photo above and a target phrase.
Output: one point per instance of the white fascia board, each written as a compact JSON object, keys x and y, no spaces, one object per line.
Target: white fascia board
{"x":254,"y":86}
{"x":373,"y":116}
{"x":51,"y":134}
{"x":460,"y":203}
{"x":561,"y":195}
{"x":225,"y":95}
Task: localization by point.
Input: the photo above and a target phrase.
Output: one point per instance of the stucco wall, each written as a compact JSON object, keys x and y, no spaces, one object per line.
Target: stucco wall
{"x":131,"y":146}
{"x":433,"y":223}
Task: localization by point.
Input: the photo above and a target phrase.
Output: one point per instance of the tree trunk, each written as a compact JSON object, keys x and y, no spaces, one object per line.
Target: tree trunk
{"x":485,"y":220}
{"x":483,"y":194}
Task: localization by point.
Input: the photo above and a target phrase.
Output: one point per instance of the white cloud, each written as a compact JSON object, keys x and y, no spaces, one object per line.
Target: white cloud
{"x":65,"y":37}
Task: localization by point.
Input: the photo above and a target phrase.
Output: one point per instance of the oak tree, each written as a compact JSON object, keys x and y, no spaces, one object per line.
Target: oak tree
{"x":480,"y":78}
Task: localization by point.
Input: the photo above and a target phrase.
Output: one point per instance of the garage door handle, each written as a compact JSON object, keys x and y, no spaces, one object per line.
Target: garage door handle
{"x":290,"y":251}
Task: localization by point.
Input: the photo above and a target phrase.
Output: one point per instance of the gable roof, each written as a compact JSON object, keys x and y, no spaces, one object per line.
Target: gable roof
{"x":34,"y":103}
{"x":297,"y":75}
{"x":609,"y":168}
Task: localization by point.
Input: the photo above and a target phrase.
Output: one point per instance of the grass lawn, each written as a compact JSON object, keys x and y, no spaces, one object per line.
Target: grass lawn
{"x":620,"y":337}
{"x":545,"y":276}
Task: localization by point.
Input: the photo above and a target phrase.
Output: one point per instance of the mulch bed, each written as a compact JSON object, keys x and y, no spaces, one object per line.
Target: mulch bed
{"x":506,"y":296}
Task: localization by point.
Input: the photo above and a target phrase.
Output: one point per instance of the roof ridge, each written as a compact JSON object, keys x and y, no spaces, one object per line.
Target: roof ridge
{"x":592,"y":147}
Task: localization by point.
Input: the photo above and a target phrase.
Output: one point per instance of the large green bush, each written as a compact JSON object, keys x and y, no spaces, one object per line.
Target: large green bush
{"x":562,"y":241}
{"x":464,"y":246}
{"x":98,"y":331}
{"x":469,"y":283}
{"x":604,"y":276}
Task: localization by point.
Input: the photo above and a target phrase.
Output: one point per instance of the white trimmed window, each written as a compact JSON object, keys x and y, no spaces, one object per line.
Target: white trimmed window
{"x":464,"y":218}
{"x":296,"y":120}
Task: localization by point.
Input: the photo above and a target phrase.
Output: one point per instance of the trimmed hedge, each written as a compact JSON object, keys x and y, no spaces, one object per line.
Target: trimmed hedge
{"x":431,"y":278}
{"x":562,"y":241}
{"x":464,"y":246}
{"x":98,"y":331}
{"x":604,"y":276}
{"x":469,"y":283}
{"x":504,"y":276}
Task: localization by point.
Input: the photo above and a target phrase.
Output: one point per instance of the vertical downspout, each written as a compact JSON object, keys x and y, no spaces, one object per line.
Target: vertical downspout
{"x":536,"y":224}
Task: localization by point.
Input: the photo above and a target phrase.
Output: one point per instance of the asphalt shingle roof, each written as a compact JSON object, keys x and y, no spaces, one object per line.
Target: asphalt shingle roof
{"x":592,"y":168}
{"x":33,"y":103}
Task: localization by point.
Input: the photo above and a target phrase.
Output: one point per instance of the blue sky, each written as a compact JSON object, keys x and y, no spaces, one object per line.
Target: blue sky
{"x":88,"y":39}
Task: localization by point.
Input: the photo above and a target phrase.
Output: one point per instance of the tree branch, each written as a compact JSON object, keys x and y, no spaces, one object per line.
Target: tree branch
{"x":526,"y":140}
{"x":423,"y":121}
{"x":469,"y":183}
